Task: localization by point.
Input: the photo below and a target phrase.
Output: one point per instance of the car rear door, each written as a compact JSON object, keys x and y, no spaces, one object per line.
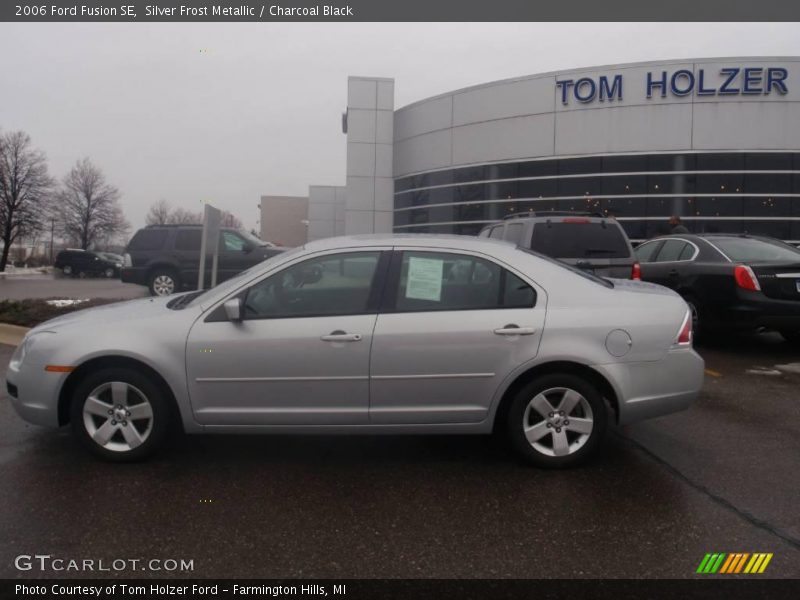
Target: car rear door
{"x":187,"y":253}
{"x":668,"y":266}
{"x":453,"y":325}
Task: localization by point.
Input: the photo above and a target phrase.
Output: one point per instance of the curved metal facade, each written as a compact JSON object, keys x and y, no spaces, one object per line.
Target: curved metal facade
{"x":716,"y":141}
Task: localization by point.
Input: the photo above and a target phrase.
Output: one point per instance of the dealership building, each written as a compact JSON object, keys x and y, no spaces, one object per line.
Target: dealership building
{"x":716,"y":141}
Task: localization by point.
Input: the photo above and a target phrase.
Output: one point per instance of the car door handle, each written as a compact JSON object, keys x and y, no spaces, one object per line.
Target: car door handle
{"x":341,"y":336}
{"x":673,"y":273}
{"x":514,"y":330}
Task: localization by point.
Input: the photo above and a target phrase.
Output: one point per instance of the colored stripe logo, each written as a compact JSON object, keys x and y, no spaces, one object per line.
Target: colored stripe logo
{"x":735,"y":562}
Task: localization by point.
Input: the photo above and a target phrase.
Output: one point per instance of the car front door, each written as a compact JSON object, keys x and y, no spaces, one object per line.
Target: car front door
{"x":667,"y":266}
{"x":187,"y":253}
{"x":452,"y":327}
{"x":300,"y":356}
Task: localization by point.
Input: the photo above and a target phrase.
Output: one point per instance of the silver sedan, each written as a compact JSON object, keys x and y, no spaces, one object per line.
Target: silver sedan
{"x":377,"y":334}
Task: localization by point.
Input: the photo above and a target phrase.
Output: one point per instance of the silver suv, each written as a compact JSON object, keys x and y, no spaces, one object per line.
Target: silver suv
{"x":588,"y":241}
{"x":379,"y":334}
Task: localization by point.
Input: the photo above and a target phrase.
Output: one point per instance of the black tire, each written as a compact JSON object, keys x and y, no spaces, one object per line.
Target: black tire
{"x":137,"y":385}
{"x":159,"y":276}
{"x":109,"y":272}
{"x":82,"y":274}
{"x":67,"y":270}
{"x":791,"y":336}
{"x":580,"y":446}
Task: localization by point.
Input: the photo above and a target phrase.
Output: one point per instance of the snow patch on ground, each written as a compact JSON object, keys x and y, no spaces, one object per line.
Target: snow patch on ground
{"x":66,"y":302}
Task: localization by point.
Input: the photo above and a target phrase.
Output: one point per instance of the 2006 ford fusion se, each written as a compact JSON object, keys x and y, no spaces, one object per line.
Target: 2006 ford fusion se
{"x":374,"y":334}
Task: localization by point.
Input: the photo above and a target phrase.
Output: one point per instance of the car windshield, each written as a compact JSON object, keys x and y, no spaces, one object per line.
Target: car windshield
{"x":585,"y":274}
{"x":756,"y":250}
{"x":234,"y":282}
{"x":251,"y":239}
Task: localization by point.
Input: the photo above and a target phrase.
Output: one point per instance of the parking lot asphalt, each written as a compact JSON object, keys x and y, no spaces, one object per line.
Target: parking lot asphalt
{"x":19,"y":287}
{"x":721,"y":477}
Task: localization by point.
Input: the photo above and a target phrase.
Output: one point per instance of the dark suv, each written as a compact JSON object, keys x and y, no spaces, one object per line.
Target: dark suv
{"x":585,"y":240}
{"x":80,"y":263}
{"x":166,"y":258}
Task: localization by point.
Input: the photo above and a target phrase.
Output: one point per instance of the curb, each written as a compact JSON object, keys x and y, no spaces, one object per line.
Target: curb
{"x":12,"y":334}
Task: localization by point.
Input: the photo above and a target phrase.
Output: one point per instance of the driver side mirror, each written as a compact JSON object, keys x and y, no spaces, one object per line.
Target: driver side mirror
{"x":233,"y":309}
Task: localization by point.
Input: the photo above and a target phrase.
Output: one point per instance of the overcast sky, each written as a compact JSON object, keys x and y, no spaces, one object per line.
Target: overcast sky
{"x":258,"y":111}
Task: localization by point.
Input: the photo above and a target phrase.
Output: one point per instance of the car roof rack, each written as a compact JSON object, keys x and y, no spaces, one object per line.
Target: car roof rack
{"x":554,"y":213}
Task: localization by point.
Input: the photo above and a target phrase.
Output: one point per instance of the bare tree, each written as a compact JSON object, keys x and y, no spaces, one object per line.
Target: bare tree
{"x":231,"y":220}
{"x":89,"y":206}
{"x":181,"y":216}
{"x":159,"y":213}
{"x":25,"y":188}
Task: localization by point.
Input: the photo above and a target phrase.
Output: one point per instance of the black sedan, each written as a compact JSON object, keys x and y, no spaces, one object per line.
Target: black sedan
{"x":731,"y":282}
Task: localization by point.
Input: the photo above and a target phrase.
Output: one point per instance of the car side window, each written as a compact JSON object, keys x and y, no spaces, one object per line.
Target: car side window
{"x":434,"y":281}
{"x":670,"y":251}
{"x":514,"y":233}
{"x":337,"y":284}
{"x":645,"y":252}
{"x":496,"y":233}
{"x":686,"y":253}
{"x":188,"y":240}
{"x":230,"y":242}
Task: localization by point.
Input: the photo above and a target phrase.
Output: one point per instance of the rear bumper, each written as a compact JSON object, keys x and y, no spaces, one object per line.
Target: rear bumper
{"x":655,"y":388}
{"x":754,"y":309}
{"x":133,"y":275}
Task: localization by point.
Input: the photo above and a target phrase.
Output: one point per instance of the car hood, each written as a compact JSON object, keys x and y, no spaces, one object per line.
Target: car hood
{"x":115,"y":312}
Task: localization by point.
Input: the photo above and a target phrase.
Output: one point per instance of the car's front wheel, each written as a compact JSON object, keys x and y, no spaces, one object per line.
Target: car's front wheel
{"x":557,"y":420}
{"x":67,"y":270}
{"x":109,"y":272}
{"x":163,"y":282}
{"x":119,"y":414}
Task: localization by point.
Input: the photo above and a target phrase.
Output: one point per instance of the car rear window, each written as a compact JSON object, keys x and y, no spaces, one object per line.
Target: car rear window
{"x":148,"y":239}
{"x":754,"y":250}
{"x":580,"y":240}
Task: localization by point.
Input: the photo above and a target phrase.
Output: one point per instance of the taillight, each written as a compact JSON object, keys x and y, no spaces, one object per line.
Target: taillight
{"x":576,"y":220}
{"x":636,"y":271}
{"x":126,"y":260}
{"x":685,"y":334}
{"x":745,"y":278}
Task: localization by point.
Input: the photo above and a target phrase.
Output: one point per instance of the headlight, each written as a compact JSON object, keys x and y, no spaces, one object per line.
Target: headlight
{"x":24,"y":348}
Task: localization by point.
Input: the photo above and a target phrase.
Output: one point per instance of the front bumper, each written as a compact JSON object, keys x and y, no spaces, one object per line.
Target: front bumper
{"x":37,"y":393}
{"x":655,"y":388}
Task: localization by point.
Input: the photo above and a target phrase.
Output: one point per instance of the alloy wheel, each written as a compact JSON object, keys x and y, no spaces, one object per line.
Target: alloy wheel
{"x":118,"y":416}
{"x":558,"y":421}
{"x":163,"y":285}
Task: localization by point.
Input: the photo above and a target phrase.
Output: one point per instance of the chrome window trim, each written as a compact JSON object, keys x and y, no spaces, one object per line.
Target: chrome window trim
{"x":677,"y":239}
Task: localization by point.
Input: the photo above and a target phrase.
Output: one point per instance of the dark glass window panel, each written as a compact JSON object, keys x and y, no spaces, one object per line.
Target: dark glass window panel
{"x":636,"y":230}
{"x":671,"y":162}
{"x":498,"y":191}
{"x":660,"y":207}
{"x":470,"y":174}
{"x":719,"y":183}
{"x":767,"y":184}
{"x":624,"y":207}
{"x":767,"y":161}
{"x":503,"y":171}
{"x":466,"y":193}
{"x":623,"y":185}
{"x":542,"y":188}
{"x":795,"y":231}
{"x":538,"y":206}
{"x":580,"y":186}
{"x":663,"y":184}
{"x":659,"y":227}
{"x":471,"y":212}
{"x":777,"y":229}
{"x":718,"y":206}
{"x":401,"y":217}
{"x":720,"y":162}
{"x":796,"y":184}
{"x":571,"y":205}
{"x":796,"y":207}
{"x":441,"y":214}
{"x":421,"y":215}
{"x":575,"y":166}
{"x":767,"y":207}
{"x":712,"y":226}
{"x":467,"y":229}
{"x":624,"y":164}
{"x":403,"y":200}
{"x":796,"y":161}
{"x":441,"y":177}
{"x":538,"y":168}
{"x":440,"y":195}
{"x":403,"y":184}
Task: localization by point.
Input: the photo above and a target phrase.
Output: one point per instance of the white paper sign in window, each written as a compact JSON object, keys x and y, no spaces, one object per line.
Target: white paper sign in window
{"x":424,"y":279}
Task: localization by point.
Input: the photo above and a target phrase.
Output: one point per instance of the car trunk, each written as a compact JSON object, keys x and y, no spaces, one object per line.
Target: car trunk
{"x":778,"y":280}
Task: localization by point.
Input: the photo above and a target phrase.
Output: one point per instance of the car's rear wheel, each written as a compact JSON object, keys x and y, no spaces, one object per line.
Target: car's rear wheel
{"x":163,"y":282}
{"x":109,"y":272}
{"x":119,"y":414}
{"x":557,"y":420}
{"x":67,"y":270}
{"x":791,"y":336}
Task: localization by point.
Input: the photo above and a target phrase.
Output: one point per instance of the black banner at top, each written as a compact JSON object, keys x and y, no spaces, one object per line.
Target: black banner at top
{"x":396,"y":10}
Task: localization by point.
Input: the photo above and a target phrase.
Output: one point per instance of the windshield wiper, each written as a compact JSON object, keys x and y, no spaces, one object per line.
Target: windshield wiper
{"x":184,"y":299}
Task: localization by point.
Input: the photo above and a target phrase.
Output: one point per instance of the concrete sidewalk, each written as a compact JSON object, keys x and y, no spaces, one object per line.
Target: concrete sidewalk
{"x":12,"y":334}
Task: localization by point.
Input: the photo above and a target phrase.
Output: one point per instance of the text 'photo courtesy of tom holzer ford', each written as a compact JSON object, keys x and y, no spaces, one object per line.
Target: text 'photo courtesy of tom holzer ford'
{"x":130,"y":11}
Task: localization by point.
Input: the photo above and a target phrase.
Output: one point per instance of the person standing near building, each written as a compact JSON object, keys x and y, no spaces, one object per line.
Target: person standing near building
{"x":676,"y":226}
